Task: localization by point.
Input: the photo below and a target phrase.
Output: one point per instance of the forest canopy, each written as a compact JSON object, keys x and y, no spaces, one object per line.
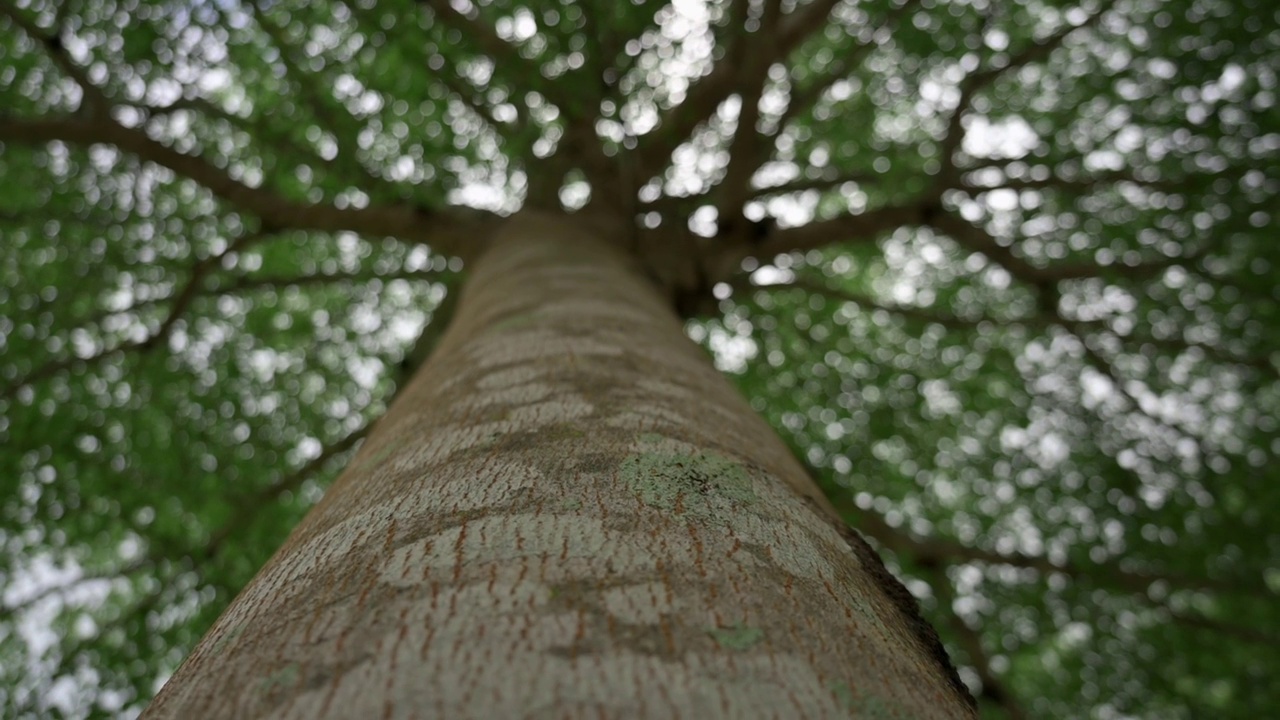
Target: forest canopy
{"x":1002,"y":274}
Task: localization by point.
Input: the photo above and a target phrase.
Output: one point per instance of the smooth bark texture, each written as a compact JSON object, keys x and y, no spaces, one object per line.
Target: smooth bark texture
{"x":568,"y":513}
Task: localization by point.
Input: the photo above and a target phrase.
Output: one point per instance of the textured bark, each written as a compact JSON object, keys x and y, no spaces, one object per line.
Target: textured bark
{"x":568,"y":513}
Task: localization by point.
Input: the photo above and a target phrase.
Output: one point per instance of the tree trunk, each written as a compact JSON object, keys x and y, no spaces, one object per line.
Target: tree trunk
{"x":568,"y":513}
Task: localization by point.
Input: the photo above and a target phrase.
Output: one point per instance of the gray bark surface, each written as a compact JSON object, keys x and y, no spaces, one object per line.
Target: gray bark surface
{"x":568,"y":513}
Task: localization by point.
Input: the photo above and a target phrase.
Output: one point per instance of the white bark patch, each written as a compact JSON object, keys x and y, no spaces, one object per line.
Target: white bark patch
{"x":437,"y":446}
{"x":544,"y":537}
{"x":576,"y":310}
{"x":517,"y":395}
{"x":451,"y":677}
{"x":662,"y":387}
{"x":642,"y":604}
{"x":641,"y":415}
{"x":463,"y":487}
{"x":510,"y":377}
{"x":561,"y":409}
{"x":505,"y":350}
{"x":790,"y":546}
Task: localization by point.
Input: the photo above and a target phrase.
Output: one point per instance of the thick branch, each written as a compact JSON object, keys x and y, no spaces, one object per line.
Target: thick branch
{"x":193,"y":287}
{"x":746,"y":146}
{"x":804,"y":98}
{"x":867,"y":227}
{"x":337,"y":119}
{"x":977,"y":81}
{"x":994,"y":689}
{"x":181,"y":301}
{"x":675,"y":207}
{"x":456,"y":83}
{"x":454,"y":233}
{"x":505,"y":56}
{"x":95,"y":101}
{"x":824,"y":183}
{"x":288,"y":483}
{"x":979,"y":240}
{"x":1112,"y":373}
{"x":726,"y":78}
{"x":942,"y":550}
{"x":921,"y":314}
{"x":579,"y":138}
{"x":257,"y":131}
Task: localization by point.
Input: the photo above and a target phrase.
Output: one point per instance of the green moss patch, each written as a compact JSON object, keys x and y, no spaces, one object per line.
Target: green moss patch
{"x":738,"y":637}
{"x":699,"y":485}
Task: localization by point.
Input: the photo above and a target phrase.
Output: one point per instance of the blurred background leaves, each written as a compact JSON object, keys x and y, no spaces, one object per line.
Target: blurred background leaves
{"x":1028,"y":344}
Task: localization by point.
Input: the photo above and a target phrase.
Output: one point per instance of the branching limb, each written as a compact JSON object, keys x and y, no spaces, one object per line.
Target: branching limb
{"x":505,"y":56}
{"x":191,"y":289}
{"x":579,"y":139}
{"x":804,"y":98}
{"x":291,"y":482}
{"x":95,"y":101}
{"x":920,"y":314}
{"x":1045,"y":280}
{"x":977,"y":81}
{"x":1108,"y":369}
{"x":263,"y":133}
{"x":195,"y":286}
{"x":866,"y":227}
{"x":336,"y":118}
{"x":456,"y":232}
{"x":746,"y":147}
{"x":457,"y":84}
{"x":727,"y":77}
{"x":673,"y":207}
{"x":939,"y":550}
{"x":976,"y":239}
{"x":181,"y":301}
{"x":825,"y":182}
{"x":994,"y":689}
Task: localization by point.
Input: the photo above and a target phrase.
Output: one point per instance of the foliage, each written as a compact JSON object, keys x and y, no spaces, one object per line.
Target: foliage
{"x":1017,"y":308}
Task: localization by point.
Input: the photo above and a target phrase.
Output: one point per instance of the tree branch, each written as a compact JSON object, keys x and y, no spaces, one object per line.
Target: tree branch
{"x":979,"y":240}
{"x":181,"y":301}
{"x":803,"y":99}
{"x":253,"y":129}
{"x":727,"y":77}
{"x":337,"y":119}
{"x":975,"y":82}
{"x":456,"y":232}
{"x":865,"y":227}
{"x":922,"y":314}
{"x":673,"y":207}
{"x":457,"y":84}
{"x":823,"y":183}
{"x":505,"y":56}
{"x":994,"y":689}
{"x":247,"y":504}
{"x":95,"y":102}
{"x":193,"y":285}
{"x":945,"y":551}
{"x":579,"y":136}
{"x":723,"y":262}
{"x":746,"y":146}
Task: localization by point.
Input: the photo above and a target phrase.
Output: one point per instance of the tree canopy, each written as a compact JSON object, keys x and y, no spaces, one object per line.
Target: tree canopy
{"x":1003,"y":274}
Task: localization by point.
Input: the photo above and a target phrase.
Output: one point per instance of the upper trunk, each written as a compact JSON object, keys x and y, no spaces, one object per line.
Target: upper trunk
{"x":568,"y":513}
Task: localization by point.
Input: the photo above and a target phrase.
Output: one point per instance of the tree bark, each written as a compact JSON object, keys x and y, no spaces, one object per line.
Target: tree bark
{"x":568,"y":513}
